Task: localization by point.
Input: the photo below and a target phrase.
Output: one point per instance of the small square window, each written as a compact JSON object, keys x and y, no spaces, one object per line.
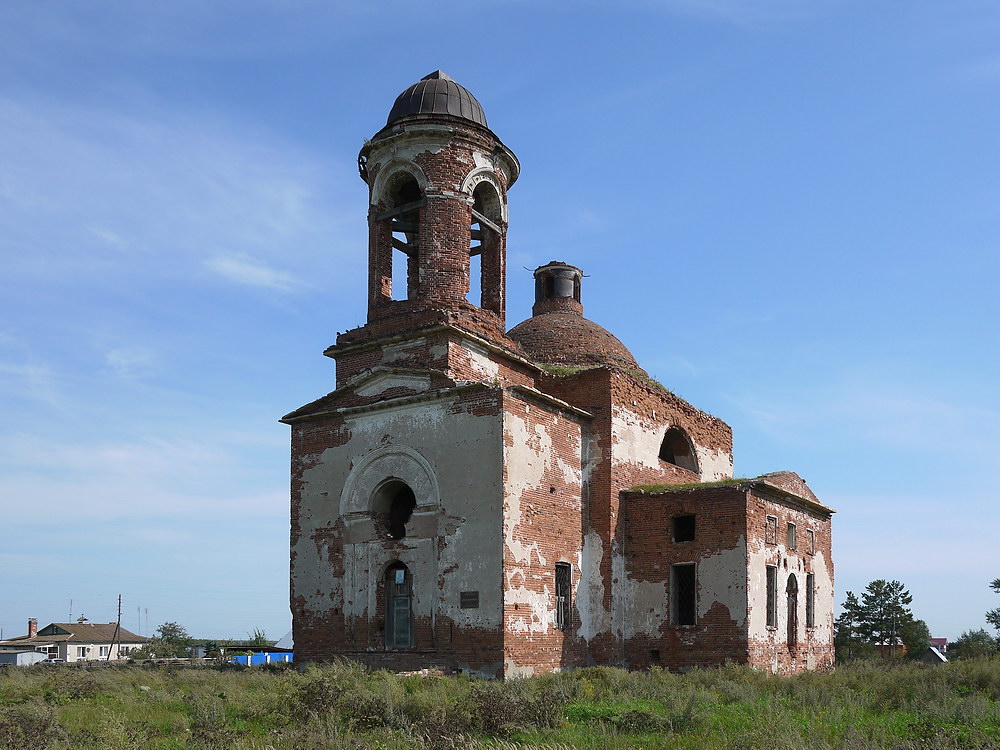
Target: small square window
{"x":791,"y":536}
{"x":683,"y":528}
{"x":771,"y":530}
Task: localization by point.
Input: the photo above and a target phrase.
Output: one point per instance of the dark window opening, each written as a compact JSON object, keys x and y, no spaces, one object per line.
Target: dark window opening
{"x":792,"y":538}
{"x":468,"y":600}
{"x":683,"y":528}
{"x":392,"y":508}
{"x":654,"y":655}
{"x":684,"y":594}
{"x":772,"y":596}
{"x":401,"y":511}
{"x":676,"y":449}
{"x":398,"y":609}
{"x":792,"y":591}
{"x":810,"y":541}
{"x":810,"y":600}
{"x":563,"y":588}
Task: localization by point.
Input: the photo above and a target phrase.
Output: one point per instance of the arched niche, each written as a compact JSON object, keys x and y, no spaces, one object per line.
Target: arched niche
{"x":677,"y":449}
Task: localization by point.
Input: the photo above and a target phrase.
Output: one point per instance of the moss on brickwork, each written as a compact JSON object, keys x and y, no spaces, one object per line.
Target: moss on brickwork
{"x":650,"y":488}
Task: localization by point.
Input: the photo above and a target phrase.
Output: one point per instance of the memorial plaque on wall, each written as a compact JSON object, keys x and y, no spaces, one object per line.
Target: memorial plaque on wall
{"x":469,"y":600}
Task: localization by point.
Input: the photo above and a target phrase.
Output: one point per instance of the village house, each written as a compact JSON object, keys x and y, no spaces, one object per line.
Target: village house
{"x":510,"y":502}
{"x":77,"y":641}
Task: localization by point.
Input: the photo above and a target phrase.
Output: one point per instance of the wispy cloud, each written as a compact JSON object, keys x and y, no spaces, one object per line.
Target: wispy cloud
{"x":94,"y":192}
{"x":34,"y":380}
{"x":243,"y":269}
{"x":150,"y":478}
{"x":130,"y":362}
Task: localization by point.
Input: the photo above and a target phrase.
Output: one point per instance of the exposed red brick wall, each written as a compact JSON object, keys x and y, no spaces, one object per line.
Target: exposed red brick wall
{"x":552,"y":523}
{"x":720,"y":524}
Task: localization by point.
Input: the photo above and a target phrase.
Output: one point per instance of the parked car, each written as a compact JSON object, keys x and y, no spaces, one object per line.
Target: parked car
{"x":52,"y":661}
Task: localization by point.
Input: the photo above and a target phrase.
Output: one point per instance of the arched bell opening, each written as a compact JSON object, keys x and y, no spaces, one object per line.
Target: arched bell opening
{"x":396,"y":236}
{"x":486,"y":272}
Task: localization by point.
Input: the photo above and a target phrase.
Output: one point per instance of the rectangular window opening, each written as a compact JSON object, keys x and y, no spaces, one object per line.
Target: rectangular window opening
{"x":684,"y":528}
{"x":810,"y":600}
{"x":771,"y":530}
{"x":811,"y":541}
{"x":563,"y":584}
{"x":772,"y":596}
{"x":683,"y":596}
{"x":654,"y":656}
{"x":791,"y":536}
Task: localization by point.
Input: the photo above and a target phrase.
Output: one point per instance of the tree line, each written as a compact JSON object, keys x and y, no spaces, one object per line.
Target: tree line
{"x":881,"y":623}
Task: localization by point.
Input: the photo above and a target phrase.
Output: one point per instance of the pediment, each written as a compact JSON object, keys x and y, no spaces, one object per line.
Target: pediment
{"x":380,"y":382}
{"x":367,"y":386}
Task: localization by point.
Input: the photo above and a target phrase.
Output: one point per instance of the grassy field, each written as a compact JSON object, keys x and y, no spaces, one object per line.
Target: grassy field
{"x":862,"y":705}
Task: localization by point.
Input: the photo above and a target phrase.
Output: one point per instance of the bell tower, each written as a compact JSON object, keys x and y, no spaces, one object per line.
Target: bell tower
{"x":438,"y":180}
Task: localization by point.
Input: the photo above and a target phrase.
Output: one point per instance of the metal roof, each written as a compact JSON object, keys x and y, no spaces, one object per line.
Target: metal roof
{"x":437,"y":94}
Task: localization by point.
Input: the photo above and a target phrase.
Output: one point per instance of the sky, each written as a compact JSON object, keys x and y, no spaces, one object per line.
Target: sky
{"x":787,"y":210}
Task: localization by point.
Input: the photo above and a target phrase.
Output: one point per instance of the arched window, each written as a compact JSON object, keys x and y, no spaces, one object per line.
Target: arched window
{"x":398,"y":607}
{"x":676,"y":449}
{"x":392,"y":507}
{"x":792,"y":591}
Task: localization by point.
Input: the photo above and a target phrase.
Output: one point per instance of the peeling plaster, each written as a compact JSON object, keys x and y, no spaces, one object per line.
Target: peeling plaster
{"x":594,"y":618}
{"x":424,"y":437}
{"x":480,"y":361}
{"x":526,"y":459}
{"x":714,"y":464}
{"x":383,"y":382}
{"x":644,"y":605}
{"x":401,"y":352}
{"x":721,"y":578}
{"x":637,"y":441}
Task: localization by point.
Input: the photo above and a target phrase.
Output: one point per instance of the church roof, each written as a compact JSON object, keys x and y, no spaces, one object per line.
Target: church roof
{"x":437,"y":94}
{"x":570,"y":340}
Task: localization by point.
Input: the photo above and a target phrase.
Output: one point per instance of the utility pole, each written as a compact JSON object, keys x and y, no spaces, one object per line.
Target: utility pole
{"x":118,"y":628}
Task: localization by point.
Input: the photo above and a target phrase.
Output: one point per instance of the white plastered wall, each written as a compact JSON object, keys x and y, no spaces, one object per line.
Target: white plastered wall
{"x":452,"y":462}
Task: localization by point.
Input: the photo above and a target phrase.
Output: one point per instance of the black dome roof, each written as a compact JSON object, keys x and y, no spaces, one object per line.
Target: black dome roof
{"x":437,"y":94}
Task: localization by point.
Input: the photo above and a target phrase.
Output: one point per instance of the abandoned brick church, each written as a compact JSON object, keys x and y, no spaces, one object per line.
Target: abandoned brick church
{"x":513,"y":502}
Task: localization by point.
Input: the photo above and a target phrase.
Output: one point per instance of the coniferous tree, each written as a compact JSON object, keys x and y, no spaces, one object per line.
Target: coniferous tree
{"x":993,"y":616}
{"x":884,"y":612}
{"x":846,"y":631}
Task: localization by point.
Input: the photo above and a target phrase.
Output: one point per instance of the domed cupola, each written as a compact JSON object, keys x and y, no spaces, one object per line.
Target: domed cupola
{"x":558,"y":334}
{"x":437,"y":94}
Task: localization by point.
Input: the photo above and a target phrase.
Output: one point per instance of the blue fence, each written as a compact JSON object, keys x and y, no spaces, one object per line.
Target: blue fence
{"x":253,"y":660}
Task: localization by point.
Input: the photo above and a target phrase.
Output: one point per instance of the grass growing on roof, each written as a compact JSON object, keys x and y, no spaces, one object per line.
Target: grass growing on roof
{"x":650,"y":488}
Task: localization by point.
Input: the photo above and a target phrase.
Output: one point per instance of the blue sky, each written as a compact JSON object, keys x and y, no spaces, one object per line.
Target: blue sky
{"x":788,"y":210}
